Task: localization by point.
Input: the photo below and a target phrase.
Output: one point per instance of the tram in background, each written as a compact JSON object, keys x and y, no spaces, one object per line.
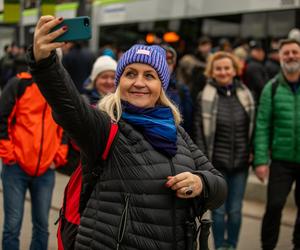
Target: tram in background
{"x":124,"y":22}
{"x":127,"y":22}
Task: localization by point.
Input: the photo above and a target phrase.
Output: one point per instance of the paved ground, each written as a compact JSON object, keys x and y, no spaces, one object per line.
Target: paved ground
{"x":249,"y":238}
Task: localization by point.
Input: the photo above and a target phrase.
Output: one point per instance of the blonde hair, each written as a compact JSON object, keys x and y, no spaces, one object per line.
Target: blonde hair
{"x":220,"y":55}
{"x":111,"y":104}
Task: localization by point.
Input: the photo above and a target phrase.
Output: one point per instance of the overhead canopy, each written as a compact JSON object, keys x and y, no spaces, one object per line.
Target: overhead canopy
{"x":110,"y":12}
{"x":48,"y":7}
{"x":12,"y":11}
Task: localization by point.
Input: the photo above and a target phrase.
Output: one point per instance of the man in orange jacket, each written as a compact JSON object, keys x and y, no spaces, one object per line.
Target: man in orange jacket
{"x":31,"y":146}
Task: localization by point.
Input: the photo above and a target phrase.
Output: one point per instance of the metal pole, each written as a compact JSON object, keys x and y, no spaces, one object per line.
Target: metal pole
{"x":95,"y":28}
{"x":21,"y":25}
{"x":81,"y":10}
{"x":39,"y":7}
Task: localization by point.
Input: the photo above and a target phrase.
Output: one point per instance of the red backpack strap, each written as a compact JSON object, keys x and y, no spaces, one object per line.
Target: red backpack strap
{"x":24,"y":75}
{"x":112,"y":133}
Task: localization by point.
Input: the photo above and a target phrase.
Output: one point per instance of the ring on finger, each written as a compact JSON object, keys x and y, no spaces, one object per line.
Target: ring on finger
{"x":189,"y":190}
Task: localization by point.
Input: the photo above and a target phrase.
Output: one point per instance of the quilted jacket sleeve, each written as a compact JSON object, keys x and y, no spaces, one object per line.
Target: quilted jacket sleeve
{"x":198,"y":126}
{"x":88,"y":126}
{"x":214,"y":185}
{"x":263,"y":126}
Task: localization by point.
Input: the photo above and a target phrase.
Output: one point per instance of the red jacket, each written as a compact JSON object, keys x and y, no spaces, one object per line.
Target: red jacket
{"x":28,"y":134}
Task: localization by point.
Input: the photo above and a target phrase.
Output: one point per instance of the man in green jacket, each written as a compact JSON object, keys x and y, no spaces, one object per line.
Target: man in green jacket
{"x":277,"y":141}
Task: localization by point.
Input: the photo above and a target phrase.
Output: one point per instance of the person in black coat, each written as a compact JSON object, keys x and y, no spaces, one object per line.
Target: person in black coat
{"x":154,"y":173}
{"x":78,"y":61}
{"x":179,"y":92}
{"x":223,"y":126}
{"x":272,"y":64}
{"x":256,"y":75}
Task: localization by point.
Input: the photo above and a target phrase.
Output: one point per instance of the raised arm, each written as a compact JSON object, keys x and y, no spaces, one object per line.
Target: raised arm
{"x":86,"y":125}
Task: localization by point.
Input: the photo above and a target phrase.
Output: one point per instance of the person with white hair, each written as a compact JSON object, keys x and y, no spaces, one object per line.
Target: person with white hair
{"x":294,"y":34}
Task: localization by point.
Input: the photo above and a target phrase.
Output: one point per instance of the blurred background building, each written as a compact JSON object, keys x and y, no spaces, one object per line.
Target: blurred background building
{"x":123,"y":22}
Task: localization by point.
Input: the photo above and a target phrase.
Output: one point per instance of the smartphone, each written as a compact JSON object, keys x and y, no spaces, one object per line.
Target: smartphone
{"x":79,"y":28}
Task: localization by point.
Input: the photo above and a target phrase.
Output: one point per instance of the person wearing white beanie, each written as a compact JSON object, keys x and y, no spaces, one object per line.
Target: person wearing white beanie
{"x":101,"y":79}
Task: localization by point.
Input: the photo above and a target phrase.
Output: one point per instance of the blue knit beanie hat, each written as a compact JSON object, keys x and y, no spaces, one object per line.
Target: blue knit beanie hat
{"x":153,"y":55}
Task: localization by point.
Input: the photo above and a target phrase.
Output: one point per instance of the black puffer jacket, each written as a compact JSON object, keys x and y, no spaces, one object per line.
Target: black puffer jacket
{"x":231,"y":123}
{"x":255,"y":77}
{"x":130,"y":208}
{"x":231,"y":148}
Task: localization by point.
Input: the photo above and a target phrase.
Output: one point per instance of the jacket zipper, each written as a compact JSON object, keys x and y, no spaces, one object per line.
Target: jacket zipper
{"x":123,"y":222}
{"x":173,"y":172}
{"x":295,"y":124}
{"x":42,"y":141}
{"x":233,"y":137}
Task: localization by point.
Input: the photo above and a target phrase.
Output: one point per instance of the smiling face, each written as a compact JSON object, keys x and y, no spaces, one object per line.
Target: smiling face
{"x":104,"y":82}
{"x":223,"y":71}
{"x":140,"y":85}
{"x":289,"y":56}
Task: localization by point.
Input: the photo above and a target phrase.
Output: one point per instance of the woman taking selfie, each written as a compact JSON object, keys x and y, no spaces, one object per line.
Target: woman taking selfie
{"x":153,"y":173}
{"x":223,"y":126}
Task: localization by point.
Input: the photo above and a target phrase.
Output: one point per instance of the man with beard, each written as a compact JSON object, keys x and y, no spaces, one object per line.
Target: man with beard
{"x":277,"y":141}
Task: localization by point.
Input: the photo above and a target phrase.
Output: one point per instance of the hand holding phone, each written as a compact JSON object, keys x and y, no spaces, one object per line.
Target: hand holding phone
{"x":78,"y":28}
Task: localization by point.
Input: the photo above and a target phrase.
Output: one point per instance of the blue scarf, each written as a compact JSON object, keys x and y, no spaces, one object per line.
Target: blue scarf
{"x":156,"y":124}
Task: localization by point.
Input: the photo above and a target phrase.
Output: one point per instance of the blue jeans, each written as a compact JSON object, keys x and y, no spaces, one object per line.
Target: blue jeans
{"x":15,"y":184}
{"x":227,"y":218}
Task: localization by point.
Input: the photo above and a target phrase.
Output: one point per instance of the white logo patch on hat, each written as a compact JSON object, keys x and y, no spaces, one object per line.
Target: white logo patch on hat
{"x":143,"y":52}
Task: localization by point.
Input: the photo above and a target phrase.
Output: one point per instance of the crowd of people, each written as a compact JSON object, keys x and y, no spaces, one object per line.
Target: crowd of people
{"x":190,"y":129}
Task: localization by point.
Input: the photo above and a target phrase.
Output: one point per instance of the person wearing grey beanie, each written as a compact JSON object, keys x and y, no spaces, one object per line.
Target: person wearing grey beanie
{"x":154,"y":180}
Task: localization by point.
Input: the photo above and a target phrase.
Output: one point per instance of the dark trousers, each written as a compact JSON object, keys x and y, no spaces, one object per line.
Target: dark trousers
{"x":282,"y":176}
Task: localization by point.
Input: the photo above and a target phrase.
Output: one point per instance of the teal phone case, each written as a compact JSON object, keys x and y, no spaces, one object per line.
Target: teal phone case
{"x":79,"y":28}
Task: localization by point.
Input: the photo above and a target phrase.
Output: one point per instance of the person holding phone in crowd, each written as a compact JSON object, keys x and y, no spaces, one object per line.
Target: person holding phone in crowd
{"x":223,"y":126}
{"x":154,"y":171}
